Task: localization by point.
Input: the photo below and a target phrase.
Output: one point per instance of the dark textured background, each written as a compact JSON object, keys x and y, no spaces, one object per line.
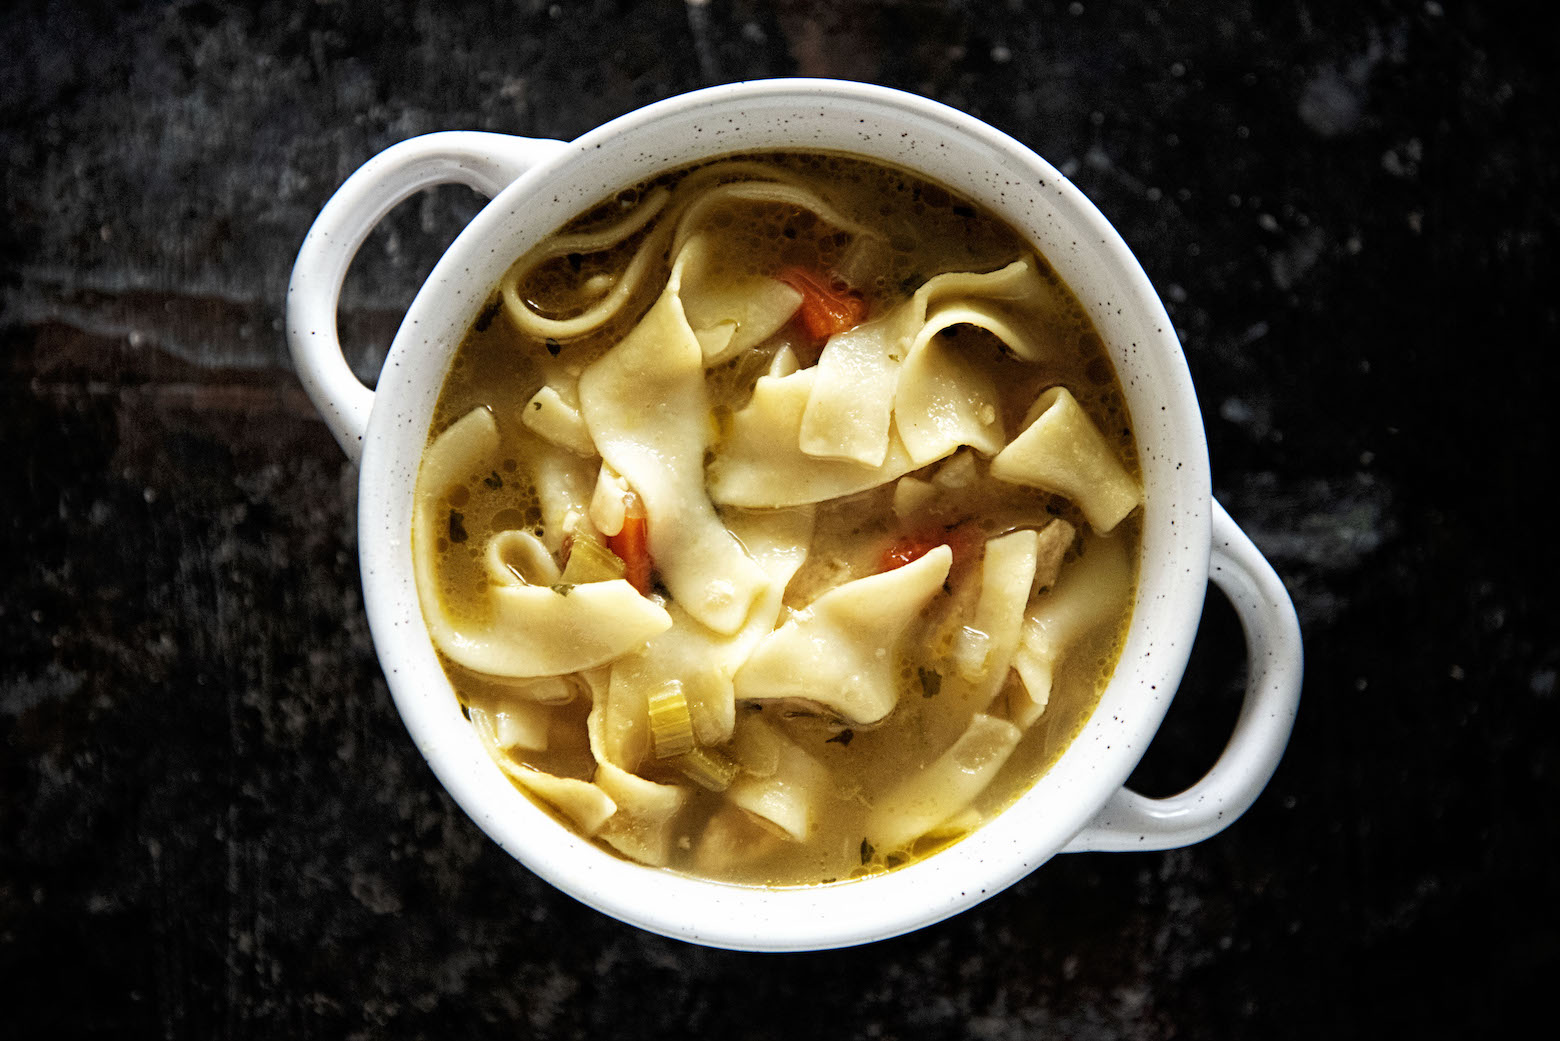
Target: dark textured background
{"x":212,"y":823}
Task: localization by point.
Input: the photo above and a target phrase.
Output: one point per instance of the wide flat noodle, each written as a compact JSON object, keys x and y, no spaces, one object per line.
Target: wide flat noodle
{"x":529,"y":630}
{"x":728,"y":315}
{"x":760,"y":463}
{"x":782,"y":798}
{"x":1015,"y":303}
{"x":841,"y":651}
{"x":912,"y":495}
{"x":945,"y":787}
{"x":1062,"y":451}
{"x":642,"y":826}
{"x":704,"y":661}
{"x":942,"y":399}
{"x":553,"y":418}
{"x":563,"y":482}
{"x":625,"y":720}
{"x":540,"y":631}
{"x":850,"y":405}
{"x":515,"y":557}
{"x":776,"y":189}
{"x":478,"y":689}
{"x":622,"y":740}
{"x":505,"y":724}
{"x":1006,"y":580}
{"x":1087,"y":593}
{"x":609,"y":502}
{"x":734,"y":838}
{"x":581,"y":801}
{"x":682,"y":211}
{"x":648,"y":413}
{"x":886,"y":369}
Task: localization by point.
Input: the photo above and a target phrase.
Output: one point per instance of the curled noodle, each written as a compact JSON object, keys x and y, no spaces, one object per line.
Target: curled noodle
{"x":685,"y":208}
{"x":602,"y":311}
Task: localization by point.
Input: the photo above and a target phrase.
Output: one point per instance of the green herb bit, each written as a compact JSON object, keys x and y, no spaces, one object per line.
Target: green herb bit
{"x":489,"y":313}
{"x":931,"y":682}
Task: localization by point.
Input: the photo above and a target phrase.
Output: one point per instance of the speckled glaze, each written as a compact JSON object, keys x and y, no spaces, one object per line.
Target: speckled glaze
{"x":1078,"y":805}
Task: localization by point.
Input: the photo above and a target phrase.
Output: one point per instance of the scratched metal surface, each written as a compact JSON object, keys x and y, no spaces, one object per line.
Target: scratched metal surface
{"x":211,"y":821}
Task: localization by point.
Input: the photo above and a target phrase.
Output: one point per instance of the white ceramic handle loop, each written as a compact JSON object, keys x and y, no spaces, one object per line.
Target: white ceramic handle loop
{"x":1129,"y":821}
{"x":484,"y":162}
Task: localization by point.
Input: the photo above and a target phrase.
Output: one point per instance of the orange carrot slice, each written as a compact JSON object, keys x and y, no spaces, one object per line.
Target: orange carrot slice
{"x":828,"y":305}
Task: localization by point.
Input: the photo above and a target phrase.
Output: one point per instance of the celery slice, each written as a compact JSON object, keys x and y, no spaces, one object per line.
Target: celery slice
{"x":708,"y":768}
{"x":671,"y":725}
{"x":590,"y":561}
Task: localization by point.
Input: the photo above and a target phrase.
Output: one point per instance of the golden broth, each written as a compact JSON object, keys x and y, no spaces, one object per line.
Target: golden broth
{"x":922,"y":230}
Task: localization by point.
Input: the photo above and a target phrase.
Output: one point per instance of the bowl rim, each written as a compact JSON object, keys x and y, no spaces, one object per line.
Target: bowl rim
{"x":1175,"y":529}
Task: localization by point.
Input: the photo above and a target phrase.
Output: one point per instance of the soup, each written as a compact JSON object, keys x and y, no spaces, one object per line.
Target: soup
{"x":779,"y":520}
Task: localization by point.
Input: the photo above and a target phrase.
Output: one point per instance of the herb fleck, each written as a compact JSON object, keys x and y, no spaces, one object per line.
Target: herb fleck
{"x":493,"y":480}
{"x":457,"y":526}
{"x":562,"y":588}
{"x":575,"y":261}
{"x":931,"y":682}
{"x":485,"y":319}
{"x":866,"y":851}
{"x":553,"y":346}
{"x":842,"y":738}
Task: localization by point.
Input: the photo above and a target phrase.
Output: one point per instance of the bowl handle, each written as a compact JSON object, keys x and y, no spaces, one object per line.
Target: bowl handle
{"x":1129,"y":821}
{"x":485,"y":162}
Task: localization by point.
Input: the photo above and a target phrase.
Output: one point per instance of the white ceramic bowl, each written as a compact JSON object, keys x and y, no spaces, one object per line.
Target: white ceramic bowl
{"x":1080,"y":804}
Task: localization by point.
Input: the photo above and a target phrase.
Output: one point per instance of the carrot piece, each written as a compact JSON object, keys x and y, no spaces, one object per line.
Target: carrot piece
{"x":828,"y":305}
{"x":632,"y":544}
{"x":961,"y":539}
{"x":906,"y":551}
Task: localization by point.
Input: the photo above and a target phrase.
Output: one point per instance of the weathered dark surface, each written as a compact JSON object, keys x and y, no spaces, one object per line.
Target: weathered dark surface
{"x":212,"y":823}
